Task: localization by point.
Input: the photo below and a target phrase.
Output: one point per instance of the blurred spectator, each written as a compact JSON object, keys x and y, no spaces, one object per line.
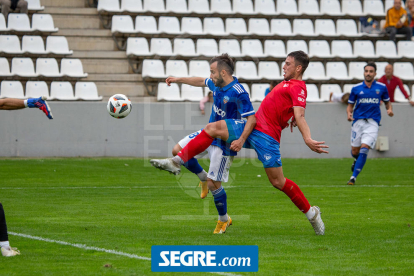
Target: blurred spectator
{"x":396,"y":22}
{"x":409,"y":7}
{"x":208,"y":98}
{"x":339,"y":98}
{"x":392,"y":82}
{"x":7,"y":5}
{"x":272,"y":85}
{"x":369,"y":25}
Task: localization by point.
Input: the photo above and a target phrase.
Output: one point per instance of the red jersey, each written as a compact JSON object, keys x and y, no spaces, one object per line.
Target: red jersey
{"x":276,"y":110}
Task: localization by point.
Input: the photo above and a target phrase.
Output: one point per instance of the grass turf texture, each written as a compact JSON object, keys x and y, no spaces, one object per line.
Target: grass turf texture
{"x":121,"y":204}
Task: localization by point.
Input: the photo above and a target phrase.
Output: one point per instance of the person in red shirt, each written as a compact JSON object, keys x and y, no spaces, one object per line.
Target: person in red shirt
{"x":283,"y":106}
{"x":391,"y":82}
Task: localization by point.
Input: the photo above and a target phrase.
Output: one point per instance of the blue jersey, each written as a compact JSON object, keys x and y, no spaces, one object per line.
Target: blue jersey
{"x":230,"y":102}
{"x":367,"y":100}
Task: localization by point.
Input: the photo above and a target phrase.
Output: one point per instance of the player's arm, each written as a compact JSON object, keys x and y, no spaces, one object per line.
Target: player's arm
{"x":237,"y":145}
{"x":11,"y":104}
{"x":349,"y":111}
{"x":388,"y":106}
{"x":305,"y":130}
{"x":193,"y":81}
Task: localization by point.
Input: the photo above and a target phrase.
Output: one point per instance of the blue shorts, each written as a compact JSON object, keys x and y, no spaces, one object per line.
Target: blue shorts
{"x":266,"y":147}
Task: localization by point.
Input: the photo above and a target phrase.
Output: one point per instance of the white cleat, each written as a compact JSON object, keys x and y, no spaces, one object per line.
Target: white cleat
{"x":167,"y":165}
{"x":317,"y":222}
{"x":9,"y":251}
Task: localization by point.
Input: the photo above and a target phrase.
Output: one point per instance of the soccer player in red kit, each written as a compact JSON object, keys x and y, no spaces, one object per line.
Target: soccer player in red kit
{"x":284,"y":105}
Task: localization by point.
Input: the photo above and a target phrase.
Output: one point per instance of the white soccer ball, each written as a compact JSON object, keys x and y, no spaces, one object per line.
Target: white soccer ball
{"x":119,"y":106}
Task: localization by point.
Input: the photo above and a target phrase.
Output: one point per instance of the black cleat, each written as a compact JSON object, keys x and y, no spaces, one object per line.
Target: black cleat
{"x":351,"y":181}
{"x":353,"y":166}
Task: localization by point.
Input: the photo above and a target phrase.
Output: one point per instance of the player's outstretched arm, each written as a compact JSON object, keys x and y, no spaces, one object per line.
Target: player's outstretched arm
{"x":388,"y":106}
{"x":349,"y":111}
{"x":237,"y":145}
{"x":11,"y":104}
{"x":193,"y":81}
{"x":304,"y":129}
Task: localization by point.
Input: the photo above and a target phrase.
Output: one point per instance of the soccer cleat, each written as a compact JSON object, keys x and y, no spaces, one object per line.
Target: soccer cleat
{"x":41,"y":104}
{"x":166,"y":165}
{"x":204,"y":189}
{"x":317,"y":222}
{"x":351,"y":181}
{"x":222,"y":226}
{"x":9,"y":251}
{"x":353,"y":166}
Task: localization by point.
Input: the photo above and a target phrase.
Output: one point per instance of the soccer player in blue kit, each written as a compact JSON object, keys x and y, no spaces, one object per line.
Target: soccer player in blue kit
{"x":364,"y":112}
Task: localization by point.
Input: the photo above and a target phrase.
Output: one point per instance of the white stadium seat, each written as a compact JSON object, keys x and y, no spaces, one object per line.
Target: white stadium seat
{"x":19,"y":22}
{"x":176,"y":68}
{"x":146,"y":24}
{"x":87,"y":91}
{"x":184,"y":47}
{"x":47,"y":67}
{"x":346,"y":27}
{"x":387,"y":49}
{"x":177,"y":6}
{"x":221,"y":6}
{"x":312,"y":94}
{"x":191,"y":25}
{"x":405,"y":49}
{"x":352,"y":7}
{"x":199,"y":68}
{"x":161,"y":47}
{"x":252,"y":48}
{"x":11,"y":89}
{"x":269,"y":70}
{"x":337,"y":70}
{"x":325,"y":27}
{"x":199,"y":6}
{"x":404,"y":70}
{"x":246,"y":70}
{"x":315,"y":71}
{"x":3,"y":26}
{"x":258,"y":91}
{"x":342,"y":48}
{"x":122,"y":24}
{"x":259,"y":26}
{"x":207,"y":47}
{"x":168,"y":93}
{"x":214,"y":26}
{"x":310,"y":7}
{"x":153,"y":68}
{"x":274,"y":48}
{"x":399,"y":96}
{"x":131,"y":5}
{"x":61,"y":90}
{"x":10,"y":44}
{"x":373,"y":7}
{"x":246,"y":87}
{"x":34,"y":5}
{"x":319,"y":48}
{"x":388,"y":4}
{"x":230,"y":46}
{"x":72,"y":68}
{"x":137,"y":46}
{"x":381,"y":69}
{"x":154,"y":6}
{"x":108,"y":5}
{"x":364,"y":48}
{"x":243,"y":6}
{"x":43,"y":22}
{"x":330,"y":7}
{"x":4,"y":67}
{"x":303,"y":27}
{"x":58,"y":45}
{"x":23,"y":67}
{"x":281,"y":27}
{"x":36,"y":89}
{"x":236,"y":26}
{"x":33,"y":44}
{"x":265,"y":7}
{"x":327,"y":89}
{"x":356,"y":70}
{"x":297,"y":45}
{"x":348,"y":88}
{"x":288,"y":7}
{"x":169,"y":25}
{"x":191,"y":93}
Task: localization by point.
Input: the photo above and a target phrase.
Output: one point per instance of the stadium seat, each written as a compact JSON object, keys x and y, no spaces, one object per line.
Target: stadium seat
{"x":154,"y":6}
{"x":381,"y":69}
{"x":131,"y":5}
{"x":177,"y":6}
{"x":221,"y":6}
{"x":246,"y":87}
{"x":108,"y":5}
{"x":230,"y":46}
{"x":19,"y":22}
{"x":364,"y":49}
{"x":23,"y":67}
{"x":404,"y":70}
{"x":356,"y":70}
{"x":191,"y":93}
{"x":388,"y":4}
{"x":43,"y":22}
{"x":34,"y":5}
{"x":58,"y":45}
{"x":281,"y":27}
{"x":153,"y":68}
{"x":137,"y":46}
{"x":36,"y":89}
{"x":176,"y":68}
{"x":297,"y":45}
{"x":387,"y":49}
{"x":352,"y":7}
{"x":287,"y":7}
{"x":312,"y":94}
{"x":207,"y":47}
{"x":258,"y":91}
{"x":259,"y":26}
{"x":243,"y":7}
{"x":252,"y":48}
{"x":269,"y":70}
{"x":168,"y":93}
{"x":161,"y":47}
{"x":405,"y":49}
{"x":330,"y":7}
{"x":199,"y":6}
{"x":274,"y":48}
{"x":33,"y":44}
{"x":214,"y":26}
{"x":4,"y":67}
{"x":337,"y":70}
{"x":315,"y":71}
{"x":310,"y":7}
{"x":72,"y":68}
{"x":146,"y":24}
{"x":303,"y":27}
{"x":11,"y":89}
{"x":319,"y":48}
{"x":346,"y":27}
{"x":122,"y":24}
{"x":266,"y":7}
{"x":373,"y":7}
{"x":199,"y":68}
{"x":184,"y":47}
{"x":62,"y":91}
{"x":246,"y":70}
{"x":169,"y":25}
{"x":342,"y":48}
{"x":325,"y":27}
{"x":191,"y":25}
{"x":399,"y":96}
{"x":10,"y":44}
{"x":47,"y":67}
{"x":236,"y":26}
{"x":327,"y":89}
{"x":87,"y":91}
{"x":3,"y":26}
{"x":348,"y":88}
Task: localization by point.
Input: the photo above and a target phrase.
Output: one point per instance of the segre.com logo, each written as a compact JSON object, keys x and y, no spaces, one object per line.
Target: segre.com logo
{"x":205,"y":258}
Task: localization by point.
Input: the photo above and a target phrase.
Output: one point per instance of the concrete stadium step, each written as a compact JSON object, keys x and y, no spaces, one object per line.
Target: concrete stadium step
{"x":114,"y":78}
{"x":99,"y":54}
{"x":106,"y":66}
{"x":64,"y":3}
{"x":131,"y":89}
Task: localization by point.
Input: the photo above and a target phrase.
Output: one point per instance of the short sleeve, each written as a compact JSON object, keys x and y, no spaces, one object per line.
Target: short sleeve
{"x":385,"y":96}
{"x":352,"y":96}
{"x":244,"y":105}
{"x":298,"y":95}
{"x":209,"y":83}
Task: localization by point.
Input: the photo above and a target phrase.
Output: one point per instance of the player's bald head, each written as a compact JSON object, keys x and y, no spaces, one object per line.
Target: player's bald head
{"x":301,"y":58}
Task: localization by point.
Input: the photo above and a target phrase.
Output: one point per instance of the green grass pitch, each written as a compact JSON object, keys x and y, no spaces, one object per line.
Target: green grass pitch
{"x":128,"y":206}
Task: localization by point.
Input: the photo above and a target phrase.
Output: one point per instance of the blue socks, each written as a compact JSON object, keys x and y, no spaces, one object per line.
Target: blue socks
{"x":220,"y":199}
{"x":193,"y":166}
{"x":354,"y":156}
{"x":362,"y":158}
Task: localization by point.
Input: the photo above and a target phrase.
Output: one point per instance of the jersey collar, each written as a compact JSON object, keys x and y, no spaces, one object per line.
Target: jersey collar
{"x":228,"y":86}
{"x":373,"y":83}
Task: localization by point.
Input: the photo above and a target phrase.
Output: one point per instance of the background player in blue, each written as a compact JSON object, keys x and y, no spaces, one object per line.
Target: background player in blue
{"x":231,"y":101}
{"x":366,"y":97}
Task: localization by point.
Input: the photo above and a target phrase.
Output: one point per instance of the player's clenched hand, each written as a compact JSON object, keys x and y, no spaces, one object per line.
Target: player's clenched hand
{"x":170,"y":80}
{"x":350,"y":117}
{"x":390,"y":113}
{"x":237,"y":145}
{"x":316,"y":146}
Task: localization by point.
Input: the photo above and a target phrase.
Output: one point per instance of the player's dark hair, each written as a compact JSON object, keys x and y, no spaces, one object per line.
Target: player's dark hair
{"x":224,"y":62}
{"x":301,"y":58}
{"x":372,"y":64}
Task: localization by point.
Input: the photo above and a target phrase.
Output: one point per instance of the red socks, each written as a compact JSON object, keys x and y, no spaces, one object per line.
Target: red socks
{"x":295,"y":194}
{"x":197,"y":145}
